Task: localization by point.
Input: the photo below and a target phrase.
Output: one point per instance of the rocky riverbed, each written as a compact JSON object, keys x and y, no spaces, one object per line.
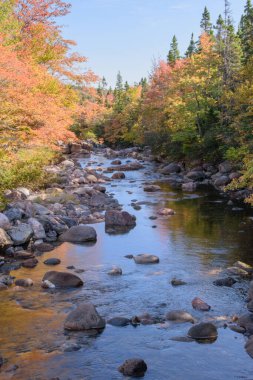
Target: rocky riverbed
{"x":125,"y":265}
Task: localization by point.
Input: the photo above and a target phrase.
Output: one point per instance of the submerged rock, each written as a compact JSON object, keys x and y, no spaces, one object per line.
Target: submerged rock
{"x":119,"y":321}
{"x":177,"y":282}
{"x":115,"y":272}
{"x":179,"y":316}
{"x":133,"y":368}
{"x":118,"y":175}
{"x":199,"y":304}
{"x":146,"y":259}
{"x":52,"y":261}
{"x":24,"y":282}
{"x":246,"y":321}
{"x":228,"y":282}
{"x":79,"y":234}
{"x":151,"y":188}
{"x":30,"y":263}
{"x":203,"y":331}
{"x":84,"y":317}
{"x":63,"y":279}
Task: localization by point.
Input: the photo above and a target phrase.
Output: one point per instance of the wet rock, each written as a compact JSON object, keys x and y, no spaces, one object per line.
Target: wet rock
{"x":190,"y":186}
{"x":119,"y":321}
{"x":237,"y":272}
{"x":246,"y":321}
{"x":118,"y":175}
{"x":30,"y":263}
{"x":177,"y":282}
{"x":151,"y":188}
{"x":20,"y":234}
{"x":63,"y":279}
{"x":225,"y":167}
{"x":44,"y":247}
{"x":47,"y":285}
{"x":52,"y":261}
{"x":79,"y":234}
{"x":179,"y":316}
{"x":129,"y":257}
{"x":203,"y":331}
{"x":133,"y":368}
{"x":170,"y":169}
{"x":228,"y":282}
{"x":249,"y":347}
{"x":237,"y":329}
{"x":199,"y":304}
{"x":144,"y":319}
{"x":222,"y":181}
{"x":84,"y":317}
{"x":114,"y":218}
{"x":38,"y":229}
{"x":146,"y":259}
{"x":197,"y":175}
{"x":24,"y":282}
{"x":116,"y":162}
{"x":166,"y":212}
{"x":115,"y":272}
{"x":4,"y":221}
{"x":241,"y":265}
{"x":23,"y":255}
{"x":5,"y":240}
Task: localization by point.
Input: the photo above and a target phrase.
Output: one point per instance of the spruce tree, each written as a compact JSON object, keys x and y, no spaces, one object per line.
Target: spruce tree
{"x":205,"y":24}
{"x":246,"y":31}
{"x":174,"y":53}
{"x":191,"y":48}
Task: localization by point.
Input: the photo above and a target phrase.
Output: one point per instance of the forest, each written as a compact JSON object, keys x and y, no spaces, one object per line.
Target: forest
{"x":194,"y":105}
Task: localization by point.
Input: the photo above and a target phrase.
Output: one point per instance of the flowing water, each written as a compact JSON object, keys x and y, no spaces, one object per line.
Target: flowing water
{"x":202,"y":239}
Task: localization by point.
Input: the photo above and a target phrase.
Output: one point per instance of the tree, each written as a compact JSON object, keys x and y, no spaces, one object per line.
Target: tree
{"x":191,"y":48}
{"x":174,"y":53}
{"x":205,"y":24}
{"x":245,"y":31}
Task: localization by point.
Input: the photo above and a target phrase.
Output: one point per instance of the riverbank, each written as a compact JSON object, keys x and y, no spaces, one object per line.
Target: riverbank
{"x":188,"y":248}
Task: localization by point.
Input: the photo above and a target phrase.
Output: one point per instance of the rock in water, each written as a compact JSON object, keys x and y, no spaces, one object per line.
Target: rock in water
{"x":133,"y":368}
{"x":63,"y":279}
{"x":24,"y":282}
{"x":249,"y":347}
{"x":114,"y":218}
{"x":115,"y":272}
{"x":84,"y":317}
{"x":246,"y":321}
{"x":203,"y":331}
{"x":228,"y":282}
{"x":119,"y":321}
{"x":30,"y":263}
{"x":146,"y":259}
{"x":200,"y":305}
{"x":52,"y":261}
{"x":79,"y":234}
{"x":179,"y":316}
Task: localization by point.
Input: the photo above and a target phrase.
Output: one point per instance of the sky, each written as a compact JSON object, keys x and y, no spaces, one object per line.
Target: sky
{"x":129,"y":35}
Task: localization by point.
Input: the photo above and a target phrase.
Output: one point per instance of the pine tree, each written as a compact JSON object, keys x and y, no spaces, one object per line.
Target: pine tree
{"x":191,"y":48}
{"x":174,"y":53}
{"x":246,"y":31}
{"x":205,"y":24}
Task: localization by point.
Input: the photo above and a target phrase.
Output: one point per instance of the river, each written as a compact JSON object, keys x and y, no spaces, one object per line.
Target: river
{"x":204,"y":237}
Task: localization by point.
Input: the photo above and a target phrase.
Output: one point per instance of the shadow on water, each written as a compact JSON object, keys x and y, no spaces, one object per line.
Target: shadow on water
{"x":204,"y":237}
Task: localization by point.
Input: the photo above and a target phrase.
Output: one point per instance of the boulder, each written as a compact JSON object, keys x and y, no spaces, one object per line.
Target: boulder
{"x":63,"y":279}
{"x":52,"y":261}
{"x":249,"y":347}
{"x":24,"y":282}
{"x":38,"y":229}
{"x":171,"y":168}
{"x":84,"y":317}
{"x":133,"y":368}
{"x":79,"y":234}
{"x":179,"y":316}
{"x":5,"y":240}
{"x":47,"y":285}
{"x":20,"y":234}
{"x":248,"y":268}
{"x":67,"y":164}
{"x":246,"y":321}
{"x":225,"y":167}
{"x":119,"y":321}
{"x":114,"y":218}
{"x":222,"y":181}
{"x":14,"y":214}
{"x":118,"y":175}
{"x":4,"y":221}
{"x":203,"y":331}
{"x":146,"y":259}
{"x":197,"y":175}
{"x":200,"y":305}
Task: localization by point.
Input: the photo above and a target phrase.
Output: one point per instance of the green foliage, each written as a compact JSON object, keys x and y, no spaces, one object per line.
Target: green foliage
{"x":25,"y":168}
{"x":174,"y":53}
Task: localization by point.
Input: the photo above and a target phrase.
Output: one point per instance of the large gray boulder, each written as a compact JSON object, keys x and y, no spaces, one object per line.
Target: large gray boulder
{"x":38,"y":229}
{"x":63,"y":279}
{"x":133,"y":368}
{"x":84,"y":317}
{"x":114,"y":218}
{"x":4,"y":221}
{"x":79,"y":234}
{"x":20,"y":234}
{"x":5,"y":240}
{"x":171,"y":168}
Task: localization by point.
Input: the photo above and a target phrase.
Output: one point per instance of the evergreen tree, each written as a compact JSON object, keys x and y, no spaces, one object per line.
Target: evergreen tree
{"x":191,"y":48}
{"x":205,"y":24}
{"x":246,"y":31}
{"x":174,"y":53}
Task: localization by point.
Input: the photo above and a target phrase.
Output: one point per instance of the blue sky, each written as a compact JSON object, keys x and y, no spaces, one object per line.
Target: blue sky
{"x":128,"y":35}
